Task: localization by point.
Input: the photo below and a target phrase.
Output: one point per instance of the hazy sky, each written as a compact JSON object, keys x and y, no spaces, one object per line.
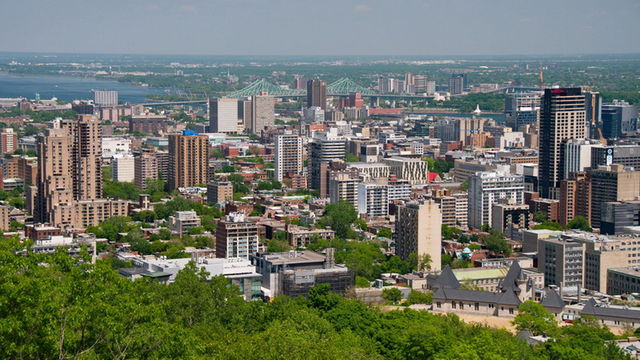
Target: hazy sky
{"x":321,"y":27}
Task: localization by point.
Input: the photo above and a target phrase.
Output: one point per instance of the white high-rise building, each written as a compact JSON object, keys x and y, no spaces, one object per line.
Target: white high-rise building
{"x":223,"y":115}
{"x":105,"y":97}
{"x":262,"y":114}
{"x":577,"y":155}
{"x":123,"y":168}
{"x":373,"y":200}
{"x":288,"y":156}
{"x":489,"y":187}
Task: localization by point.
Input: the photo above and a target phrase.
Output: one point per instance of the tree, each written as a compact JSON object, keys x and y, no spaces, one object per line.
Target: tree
{"x":419,"y":297}
{"x":362,"y":282}
{"x":392,"y":295}
{"x":534,"y":317}
{"x":579,"y":222}
{"x":549,"y":225}
{"x":339,"y":217}
{"x":497,"y":243}
{"x":448,"y":232}
{"x":385,"y":233}
{"x":351,"y":158}
{"x":540,"y":216}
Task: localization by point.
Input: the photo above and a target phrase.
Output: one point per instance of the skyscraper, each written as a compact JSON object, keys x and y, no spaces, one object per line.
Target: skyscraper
{"x":223,"y":115}
{"x":419,"y":230}
{"x":70,"y":176}
{"x":317,"y":93}
{"x":188,"y":156}
{"x":522,"y":109}
{"x":562,"y":117}
{"x":457,"y":83}
{"x":324,"y":151}
{"x":288,"y":156}
{"x":262,"y":114}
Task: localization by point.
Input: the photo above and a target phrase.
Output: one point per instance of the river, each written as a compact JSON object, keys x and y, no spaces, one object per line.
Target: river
{"x":68,"y":88}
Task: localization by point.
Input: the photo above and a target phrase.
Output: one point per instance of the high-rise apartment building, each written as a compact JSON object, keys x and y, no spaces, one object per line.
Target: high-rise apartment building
{"x":105,"y":97}
{"x":145,"y":167}
{"x":236,"y":237}
{"x":343,"y":186}
{"x":262,"y":113}
{"x":574,"y":197}
{"x":611,"y":183}
{"x":317,"y":93}
{"x":323,"y":151}
{"x":457,"y":83}
{"x":223,"y":115}
{"x":69,"y":185}
{"x":488,"y":188}
{"x":618,"y":119}
{"x":373,"y":200}
{"x":419,"y":230}
{"x":123,"y":168}
{"x":576,"y":155}
{"x":288,"y":156}
{"x":188,"y":159}
{"x":562,"y":118}
{"x":8,"y":141}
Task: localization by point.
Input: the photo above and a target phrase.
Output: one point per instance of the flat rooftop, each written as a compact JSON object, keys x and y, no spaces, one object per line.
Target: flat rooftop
{"x":294,"y":257}
{"x":480,"y":273}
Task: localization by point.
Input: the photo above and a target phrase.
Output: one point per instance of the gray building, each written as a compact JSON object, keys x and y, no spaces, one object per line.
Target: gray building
{"x":294,"y":273}
{"x":522,"y":109}
{"x":616,"y":215}
{"x":627,"y":155}
{"x":619,"y":118}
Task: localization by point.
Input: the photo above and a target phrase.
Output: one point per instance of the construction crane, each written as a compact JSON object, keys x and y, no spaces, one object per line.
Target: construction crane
{"x":541,"y":79}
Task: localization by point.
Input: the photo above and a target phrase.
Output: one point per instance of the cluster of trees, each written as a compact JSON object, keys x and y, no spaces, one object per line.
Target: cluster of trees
{"x":39,"y":116}
{"x":579,"y":222}
{"x":72,"y":309}
{"x":468,"y":103}
{"x":585,"y":339}
{"x":438,"y":166}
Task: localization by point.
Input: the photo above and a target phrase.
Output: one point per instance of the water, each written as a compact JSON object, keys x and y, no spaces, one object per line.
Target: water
{"x":68,"y":88}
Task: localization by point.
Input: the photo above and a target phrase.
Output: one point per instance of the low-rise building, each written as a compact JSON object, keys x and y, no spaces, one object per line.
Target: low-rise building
{"x":298,"y":237}
{"x":183,"y":221}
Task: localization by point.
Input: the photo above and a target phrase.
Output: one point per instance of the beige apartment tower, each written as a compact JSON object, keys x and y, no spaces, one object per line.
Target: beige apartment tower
{"x":188,"y":156}
{"x":418,"y":230}
{"x":69,"y":165}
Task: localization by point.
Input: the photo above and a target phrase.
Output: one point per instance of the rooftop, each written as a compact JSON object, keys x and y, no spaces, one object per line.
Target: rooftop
{"x":294,"y":257}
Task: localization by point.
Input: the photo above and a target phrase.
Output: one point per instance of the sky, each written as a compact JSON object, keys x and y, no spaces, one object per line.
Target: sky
{"x":321,"y":27}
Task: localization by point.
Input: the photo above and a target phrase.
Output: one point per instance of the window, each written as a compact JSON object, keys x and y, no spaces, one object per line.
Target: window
{"x":511,"y":311}
{"x":438,"y":305}
{"x":453,"y":304}
{"x":476,"y":306}
{"x":461,"y":305}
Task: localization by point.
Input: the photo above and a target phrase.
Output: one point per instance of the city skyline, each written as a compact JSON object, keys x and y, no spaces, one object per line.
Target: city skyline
{"x":319,"y":28}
